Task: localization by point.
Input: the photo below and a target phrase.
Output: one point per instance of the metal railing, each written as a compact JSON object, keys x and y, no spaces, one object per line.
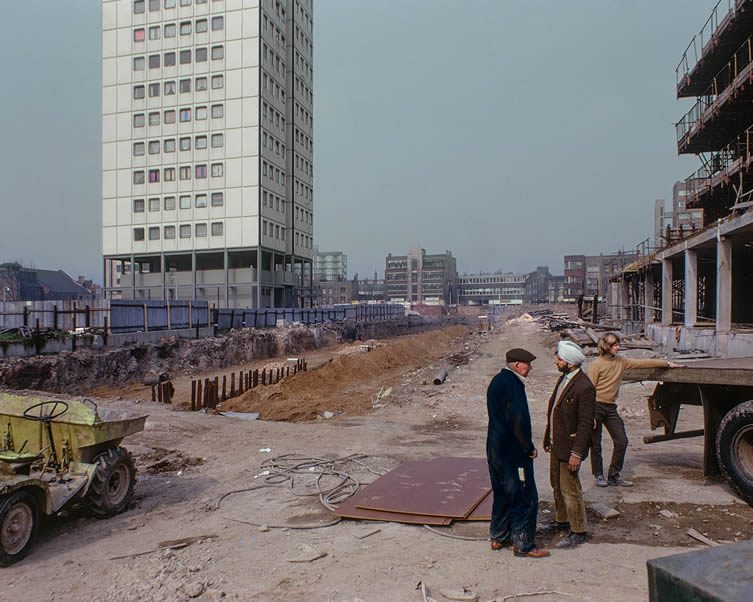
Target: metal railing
{"x":698,"y":43}
{"x":737,"y":154}
{"x":718,"y":89}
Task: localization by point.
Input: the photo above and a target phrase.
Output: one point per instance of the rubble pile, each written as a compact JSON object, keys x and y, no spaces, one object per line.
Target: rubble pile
{"x":585,"y":334}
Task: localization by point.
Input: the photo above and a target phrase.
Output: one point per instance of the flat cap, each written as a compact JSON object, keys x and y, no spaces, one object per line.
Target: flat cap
{"x":519,"y":355}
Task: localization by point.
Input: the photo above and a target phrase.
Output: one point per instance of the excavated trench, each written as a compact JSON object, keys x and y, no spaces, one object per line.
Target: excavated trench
{"x":81,"y":371}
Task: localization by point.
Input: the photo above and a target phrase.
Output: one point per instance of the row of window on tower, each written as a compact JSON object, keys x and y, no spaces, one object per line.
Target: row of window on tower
{"x":167,"y":174}
{"x":139,"y":6}
{"x":184,"y":57}
{"x":139,"y":92}
{"x":155,"y":60}
{"x":184,"y":201}
{"x":168,"y":145}
{"x":168,"y":116}
{"x":184,"y":231}
{"x":171,"y":30}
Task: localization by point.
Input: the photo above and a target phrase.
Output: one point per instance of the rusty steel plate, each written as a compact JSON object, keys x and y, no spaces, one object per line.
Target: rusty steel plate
{"x":484,"y":510}
{"x":350,"y":509}
{"x":450,"y":487}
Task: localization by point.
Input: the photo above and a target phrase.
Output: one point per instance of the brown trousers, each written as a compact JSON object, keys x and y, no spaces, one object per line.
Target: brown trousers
{"x":568,"y":496}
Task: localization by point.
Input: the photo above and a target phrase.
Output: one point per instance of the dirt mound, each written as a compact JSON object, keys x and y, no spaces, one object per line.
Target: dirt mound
{"x":166,"y":460}
{"x":347,"y":383}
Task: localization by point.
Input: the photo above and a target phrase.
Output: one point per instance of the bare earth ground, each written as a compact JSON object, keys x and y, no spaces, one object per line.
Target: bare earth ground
{"x":209,"y":455}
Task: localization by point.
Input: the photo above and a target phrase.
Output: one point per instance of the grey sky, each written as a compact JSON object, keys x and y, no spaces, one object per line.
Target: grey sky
{"x":510,"y":132}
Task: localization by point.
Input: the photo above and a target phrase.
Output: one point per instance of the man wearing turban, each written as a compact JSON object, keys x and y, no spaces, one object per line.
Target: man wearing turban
{"x":569,"y":427}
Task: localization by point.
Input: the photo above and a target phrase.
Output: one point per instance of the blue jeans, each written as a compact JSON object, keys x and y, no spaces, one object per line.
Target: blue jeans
{"x":515,"y":504}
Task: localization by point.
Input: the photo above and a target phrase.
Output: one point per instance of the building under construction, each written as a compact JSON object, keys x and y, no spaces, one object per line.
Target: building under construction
{"x":695,"y":292}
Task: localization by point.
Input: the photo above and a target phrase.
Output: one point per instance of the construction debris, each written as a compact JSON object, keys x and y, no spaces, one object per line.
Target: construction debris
{"x":459,"y":594}
{"x":604,"y":511}
{"x":702,"y":538}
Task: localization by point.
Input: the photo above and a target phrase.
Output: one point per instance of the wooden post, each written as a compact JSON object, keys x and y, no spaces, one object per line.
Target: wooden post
{"x":232,"y":384}
{"x":256,"y":378}
{"x":87,"y":317}
{"x":240,"y":383}
{"x":287,"y":371}
{"x":169,"y":326}
{"x":105,"y":331}
{"x":264,"y":376}
{"x":248,"y":380}
{"x":154,"y":393}
{"x":206,"y":392}
{"x":224,"y":387}
{"x":55,"y":317}
{"x":190,"y":314}
{"x":216,"y":389}
{"x":146,"y":319}
{"x":198,"y":395}
{"x":159,"y":393}
{"x":193,"y":395}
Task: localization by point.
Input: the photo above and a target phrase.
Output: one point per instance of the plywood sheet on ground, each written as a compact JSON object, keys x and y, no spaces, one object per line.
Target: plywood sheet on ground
{"x":450,"y":487}
{"x":350,"y":509}
{"x":484,"y":510}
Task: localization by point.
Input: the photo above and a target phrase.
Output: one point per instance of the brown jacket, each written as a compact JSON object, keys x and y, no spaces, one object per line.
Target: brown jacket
{"x":573,"y":418}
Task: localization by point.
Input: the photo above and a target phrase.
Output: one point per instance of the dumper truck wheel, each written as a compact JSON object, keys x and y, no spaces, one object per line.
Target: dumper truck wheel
{"x":19,"y":518}
{"x":734,"y":449}
{"x":112,"y":483}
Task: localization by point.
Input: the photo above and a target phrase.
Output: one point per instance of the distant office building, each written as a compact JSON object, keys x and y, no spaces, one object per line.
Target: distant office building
{"x":575,"y":277}
{"x":330,"y":266}
{"x":207,"y":150}
{"x":334,"y":292}
{"x":537,"y":285}
{"x":687,"y":219}
{"x":421,"y":278}
{"x":491,"y":289}
{"x":555,"y":289}
{"x":662,"y":221}
{"x":370,"y":290}
{"x":588,"y":275}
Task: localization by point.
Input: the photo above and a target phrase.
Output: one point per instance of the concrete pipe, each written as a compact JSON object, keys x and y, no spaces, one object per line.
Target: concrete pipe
{"x":440,"y":377}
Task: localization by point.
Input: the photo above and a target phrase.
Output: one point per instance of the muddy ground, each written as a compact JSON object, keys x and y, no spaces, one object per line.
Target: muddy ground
{"x":187,"y":461}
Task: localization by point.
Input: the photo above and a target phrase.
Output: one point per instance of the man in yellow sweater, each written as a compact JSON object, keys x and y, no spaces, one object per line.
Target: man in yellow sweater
{"x":606,"y":373}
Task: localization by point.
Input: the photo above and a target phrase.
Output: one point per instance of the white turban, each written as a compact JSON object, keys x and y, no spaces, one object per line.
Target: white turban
{"x":570,"y":352}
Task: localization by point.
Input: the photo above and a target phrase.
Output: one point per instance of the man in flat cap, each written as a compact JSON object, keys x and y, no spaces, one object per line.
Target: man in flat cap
{"x":569,"y":428}
{"x":510,"y":453}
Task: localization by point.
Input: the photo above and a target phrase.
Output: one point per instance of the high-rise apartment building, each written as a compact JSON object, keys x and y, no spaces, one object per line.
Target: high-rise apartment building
{"x":207,"y":150}
{"x":330,"y":266}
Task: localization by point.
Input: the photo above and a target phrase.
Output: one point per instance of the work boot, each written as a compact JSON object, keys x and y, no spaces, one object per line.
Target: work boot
{"x":498,"y":545}
{"x":601,"y":481}
{"x":554,"y":527}
{"x":573,"y":540}
{"x":618,"y":481}
{"x":532,"y":553}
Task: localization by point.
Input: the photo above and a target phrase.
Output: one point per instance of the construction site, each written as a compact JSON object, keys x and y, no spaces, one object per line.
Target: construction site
{"x":163,"y":448}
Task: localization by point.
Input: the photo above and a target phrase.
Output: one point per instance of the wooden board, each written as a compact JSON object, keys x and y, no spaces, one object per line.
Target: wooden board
{"x":484,"y":510}
{"x":734,"y":371}
{"x":350,"y":509}
{"x":449,"y":487}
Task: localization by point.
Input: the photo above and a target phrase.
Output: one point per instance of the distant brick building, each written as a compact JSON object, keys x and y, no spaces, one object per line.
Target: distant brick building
{"x":421,"y":278}
{"x":18,"y":283}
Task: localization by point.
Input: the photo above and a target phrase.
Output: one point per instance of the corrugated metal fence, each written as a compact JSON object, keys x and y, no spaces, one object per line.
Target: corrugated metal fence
{"x":120,"y":316}
{"x":267,"y":318}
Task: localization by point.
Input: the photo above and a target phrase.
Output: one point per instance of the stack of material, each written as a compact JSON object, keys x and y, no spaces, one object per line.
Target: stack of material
{"x":425,"y":492}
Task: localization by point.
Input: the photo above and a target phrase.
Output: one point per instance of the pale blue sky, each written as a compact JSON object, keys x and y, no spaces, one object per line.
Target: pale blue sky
{"x":511,"y":132}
